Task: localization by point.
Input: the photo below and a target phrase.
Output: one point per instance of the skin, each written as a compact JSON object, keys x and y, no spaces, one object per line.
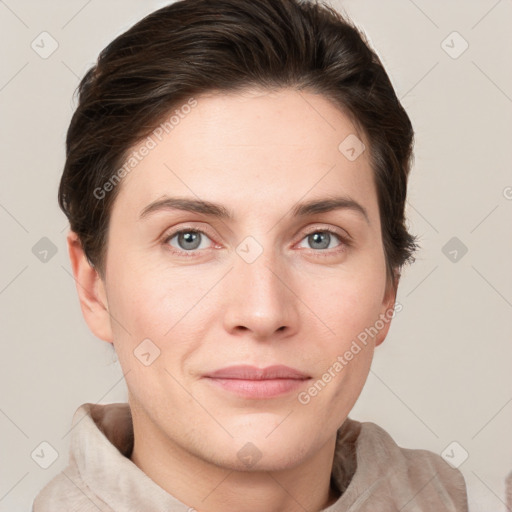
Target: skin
{"x":257,"y":153}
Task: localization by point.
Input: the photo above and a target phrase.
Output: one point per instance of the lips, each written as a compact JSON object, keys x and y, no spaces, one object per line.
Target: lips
{"x":250,"y":382}
{"x":246,"y":372}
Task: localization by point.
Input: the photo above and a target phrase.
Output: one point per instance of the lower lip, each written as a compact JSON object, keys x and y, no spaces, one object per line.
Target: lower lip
{"x":267,"y":388}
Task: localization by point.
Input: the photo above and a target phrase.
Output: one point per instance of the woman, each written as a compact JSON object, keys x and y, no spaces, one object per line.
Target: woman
{"x":214,"y":145}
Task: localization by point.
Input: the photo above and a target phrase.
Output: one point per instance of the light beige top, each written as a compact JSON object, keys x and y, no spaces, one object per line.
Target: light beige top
{"x":371,"y":471}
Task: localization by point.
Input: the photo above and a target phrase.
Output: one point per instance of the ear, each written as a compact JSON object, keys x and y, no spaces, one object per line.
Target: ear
{"x":388,"y":304}
{"x":91,"y":291}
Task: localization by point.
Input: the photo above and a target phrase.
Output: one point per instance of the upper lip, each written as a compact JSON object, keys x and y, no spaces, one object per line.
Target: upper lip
{"x":247,"y":372}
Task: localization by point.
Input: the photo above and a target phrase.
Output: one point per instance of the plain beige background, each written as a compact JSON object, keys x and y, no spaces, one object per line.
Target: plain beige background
{"x":444,"y":373}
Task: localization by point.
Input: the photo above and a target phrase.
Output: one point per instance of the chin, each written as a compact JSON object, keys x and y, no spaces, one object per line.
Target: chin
{"x":253,"y":459}
{"x":253,"y":449}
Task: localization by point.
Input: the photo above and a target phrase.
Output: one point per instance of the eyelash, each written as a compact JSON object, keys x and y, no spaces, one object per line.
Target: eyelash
{"x":345,"y":243}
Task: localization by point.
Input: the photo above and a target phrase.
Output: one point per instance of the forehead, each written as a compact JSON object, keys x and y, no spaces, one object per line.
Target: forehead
{"x":251,"y":150}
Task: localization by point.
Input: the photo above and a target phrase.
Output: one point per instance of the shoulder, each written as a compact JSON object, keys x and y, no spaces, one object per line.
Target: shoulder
{"x":67,"y":491}
{"x":90,"y":449}
{"x":412,"y":476}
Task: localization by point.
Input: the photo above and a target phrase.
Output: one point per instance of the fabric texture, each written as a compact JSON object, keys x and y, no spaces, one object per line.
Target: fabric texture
{"x":508,"y":490}
{"x":369,"y":469}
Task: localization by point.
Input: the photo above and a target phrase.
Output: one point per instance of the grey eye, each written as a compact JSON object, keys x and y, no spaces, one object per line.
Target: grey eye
{"x":319,"y":239}
{"x":188,"y":240}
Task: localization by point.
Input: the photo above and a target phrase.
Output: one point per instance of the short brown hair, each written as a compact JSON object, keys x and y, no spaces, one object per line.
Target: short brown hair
{"x":192,"y":47}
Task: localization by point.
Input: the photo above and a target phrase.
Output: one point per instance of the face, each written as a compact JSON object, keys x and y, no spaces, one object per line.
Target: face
{"x":265,"y":285}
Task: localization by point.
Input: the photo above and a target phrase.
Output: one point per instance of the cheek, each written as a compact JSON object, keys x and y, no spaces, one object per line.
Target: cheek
{"x":350,"y":310}
{"x":151,"y":302}
{"x":166,"y":309}
{"x":149,"y":316}
{"x":352,"y":303}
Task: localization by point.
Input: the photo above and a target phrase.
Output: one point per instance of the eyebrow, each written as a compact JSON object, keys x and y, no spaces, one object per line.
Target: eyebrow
{"x":219,"y":211}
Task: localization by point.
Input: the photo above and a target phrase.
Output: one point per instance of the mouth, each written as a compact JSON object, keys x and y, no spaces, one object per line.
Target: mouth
{"x":257,"y":383}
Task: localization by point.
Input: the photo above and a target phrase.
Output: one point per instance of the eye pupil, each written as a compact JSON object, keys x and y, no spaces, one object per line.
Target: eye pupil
{"x":321,"y":237}
{"x":188,"y":238}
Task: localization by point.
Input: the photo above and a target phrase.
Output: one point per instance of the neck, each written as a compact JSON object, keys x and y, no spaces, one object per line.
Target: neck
{"x":208,"y":487}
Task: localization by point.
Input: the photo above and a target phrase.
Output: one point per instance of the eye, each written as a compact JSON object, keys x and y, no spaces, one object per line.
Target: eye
{"x":321,"y":239}
{"x":187,"y":240}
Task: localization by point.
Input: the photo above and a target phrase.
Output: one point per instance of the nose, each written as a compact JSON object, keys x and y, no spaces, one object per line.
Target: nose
{"x":261,"y":302}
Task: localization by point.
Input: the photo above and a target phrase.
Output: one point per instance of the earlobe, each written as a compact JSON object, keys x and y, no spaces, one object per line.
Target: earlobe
{"x":91,"y":291}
